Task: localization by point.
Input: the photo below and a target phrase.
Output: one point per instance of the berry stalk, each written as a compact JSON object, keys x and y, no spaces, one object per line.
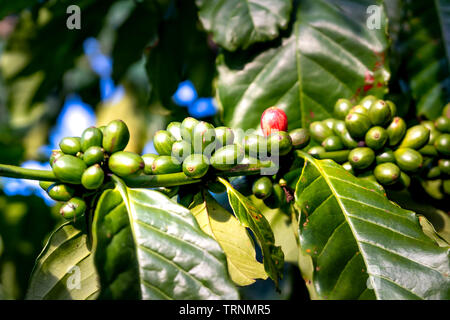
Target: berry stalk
{"x":25,"y":173}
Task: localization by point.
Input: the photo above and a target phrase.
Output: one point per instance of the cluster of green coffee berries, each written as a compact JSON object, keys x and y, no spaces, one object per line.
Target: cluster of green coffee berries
{"x":193,"y":147}
{"x":82,"y":163}
{"x":370,"y":141}
{"x":437,"y":152}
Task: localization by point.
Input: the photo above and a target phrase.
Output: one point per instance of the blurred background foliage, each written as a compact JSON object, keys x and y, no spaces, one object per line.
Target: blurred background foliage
{"x":147,"y":62}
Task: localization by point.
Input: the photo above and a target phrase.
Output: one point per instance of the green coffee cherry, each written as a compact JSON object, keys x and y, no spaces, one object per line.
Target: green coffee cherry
{"x":94,"y":155}
{"x":316,"y":151}
{"x":174,"y":128}
{"x":55,"y":155}
{"x":319,"y":131}
{"x":70,"y":145}
{"x":393,"y":108}
{"x":256,"y":145}
{"x":115,"y":136}
{"x":446,"y":111}
{"x":279,"y":143}
{"x":342,"y":108}
{"x":416,"y":137}
{"x":387,"y":155}
{"x":204,"y":137}
{"x":187,"y":128}
{"x":124,"y":163}
{"x":387,"y":173}
{"x":357,"y":124}
{"x":224,"y":136}
{"x":91,"y":137}
{"x":380,"y":113}
{"x":341,"y":131}
{"x":444,"y":166}
{"x":446,"y":186}
{"x":300,"y":138}
{"x":182,"y":149}
{"x":367,"y":101}
{"x":45,"y":185}
{"x":262,"y":188}
{"x":408,"y":159}
{"x":376,"y":138}
{"x":277,"y":199}
{"x":148,"y":162}
{"x":442,"y":124}
{"x":359,"y":109}
{"x":166,"y":164}
{"x":329,"y":122}
{"x":333,"y":143}
{"x":340,"y":156}
{"x":396,"y":131}
{"x":433,"y":173}
{"x":442,"y":144}
{"x":403,"y":182}
{"x":69,"y":169}
{"x":61,"y":192}
{"x":428,"y":150}
{"x":348,"y":167}
{"x":227,"y":157}
{"x":368,"y":176}
{"x":102,"y":129}
{"x":434,"y":133}
{"x":163,"y":142}
{"x":93,"y":177}
{"x":361,"y":158}
{"x":195,"y":166}
{"x":73,"y":209}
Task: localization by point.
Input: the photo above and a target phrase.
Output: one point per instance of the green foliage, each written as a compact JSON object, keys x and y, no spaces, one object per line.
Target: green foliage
{"x":311,"y":59}
{"x":353,"y":234}
{"x":241,"y":23}
{"x":65,"y":268}
{"x":140,"y":236}
{"x":423,"y":48}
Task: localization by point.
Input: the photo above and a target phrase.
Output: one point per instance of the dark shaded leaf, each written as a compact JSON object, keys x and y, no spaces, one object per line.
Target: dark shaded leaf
{"x":240,"y":23}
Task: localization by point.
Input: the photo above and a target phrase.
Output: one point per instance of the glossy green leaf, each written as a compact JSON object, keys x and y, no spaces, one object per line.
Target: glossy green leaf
{"x":148,"y":247}
{"x":65,"y":269}
{"x":362,"y":245}
{"x":329,"y":54}
{"x":233,"y":237}
{"x":240,"y":23}
{"x":424,"y":47}
{"x":250,"y":217}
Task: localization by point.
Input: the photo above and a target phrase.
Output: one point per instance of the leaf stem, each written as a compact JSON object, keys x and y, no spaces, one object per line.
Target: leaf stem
{"x":143,"y":181}
{"x":25,"y":173}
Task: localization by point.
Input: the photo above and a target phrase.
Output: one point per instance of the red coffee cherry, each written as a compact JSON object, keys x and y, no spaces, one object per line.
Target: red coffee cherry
{"x":273,"y":119}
